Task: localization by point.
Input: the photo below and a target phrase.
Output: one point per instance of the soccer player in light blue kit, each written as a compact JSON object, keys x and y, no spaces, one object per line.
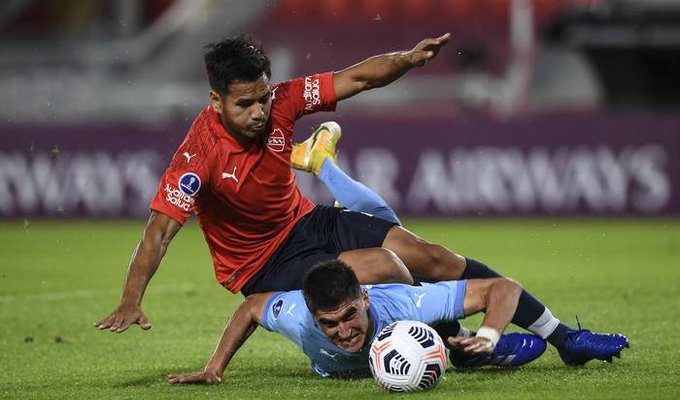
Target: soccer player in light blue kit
{"x":575,"y":346}
{"x":333,"y":320}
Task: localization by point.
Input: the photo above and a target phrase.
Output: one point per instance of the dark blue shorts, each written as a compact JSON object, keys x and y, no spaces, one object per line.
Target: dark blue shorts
{"x":321,"y":235}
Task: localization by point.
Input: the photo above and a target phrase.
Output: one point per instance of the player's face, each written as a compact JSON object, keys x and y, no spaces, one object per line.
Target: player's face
{"x":348,"y":326}
{"x":245,"y":110}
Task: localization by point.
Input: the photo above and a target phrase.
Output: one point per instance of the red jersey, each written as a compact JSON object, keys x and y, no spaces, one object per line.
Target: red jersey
{"x":246,"y":198}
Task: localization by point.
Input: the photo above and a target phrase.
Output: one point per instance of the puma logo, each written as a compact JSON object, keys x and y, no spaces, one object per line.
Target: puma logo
{"x":290,"y":310}
{"x":189,"y":156}
{"x":420,"y":299}
{"x":329,"y":354}
{"x":226,"y":175}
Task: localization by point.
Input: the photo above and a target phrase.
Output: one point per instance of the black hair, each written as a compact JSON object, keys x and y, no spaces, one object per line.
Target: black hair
{"x":237,"y":58}
{"x":328,"y":284}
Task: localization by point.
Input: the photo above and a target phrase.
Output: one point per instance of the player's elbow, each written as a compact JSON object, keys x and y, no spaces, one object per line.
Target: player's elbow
{"x":350,"y":82}
{"x":501,"y":287}
{"x":510,"y":287}
{"x":249,"y":306}
{"x":251,"y":301}
{"x":516,"y":283}
{"x":254,"y":305}
{"x":160,"y":229}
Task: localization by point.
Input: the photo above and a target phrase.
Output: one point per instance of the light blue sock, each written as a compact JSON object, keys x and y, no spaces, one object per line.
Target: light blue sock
{"x":354,"y":195}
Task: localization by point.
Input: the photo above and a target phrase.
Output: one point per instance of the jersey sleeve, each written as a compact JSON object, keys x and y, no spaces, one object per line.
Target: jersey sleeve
{"x":307,"y":95}
{"x":284,"y":314}
{"x":441,"y":301}
{"x":183,"y":181}
{"x":429,"y":303}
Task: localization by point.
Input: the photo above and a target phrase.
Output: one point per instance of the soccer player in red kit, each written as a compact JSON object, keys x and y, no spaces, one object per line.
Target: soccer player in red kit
{"x":234,"y":171}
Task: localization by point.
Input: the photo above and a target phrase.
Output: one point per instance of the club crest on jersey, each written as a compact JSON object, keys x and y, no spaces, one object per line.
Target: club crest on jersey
{"x":189,"y":183}
{"x":276,"y":308}
{"x":276,"y":142}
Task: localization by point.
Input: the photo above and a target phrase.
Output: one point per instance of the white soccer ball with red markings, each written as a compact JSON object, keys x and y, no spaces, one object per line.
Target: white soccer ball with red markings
{"x":407,"y":356}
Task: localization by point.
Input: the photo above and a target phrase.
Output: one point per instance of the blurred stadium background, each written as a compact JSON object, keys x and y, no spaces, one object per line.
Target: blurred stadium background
{"x":558,"y":107}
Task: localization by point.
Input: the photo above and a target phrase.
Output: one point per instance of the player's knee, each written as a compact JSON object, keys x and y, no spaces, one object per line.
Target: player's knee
{"x":391,"y":268}
{"x":443,"y":263}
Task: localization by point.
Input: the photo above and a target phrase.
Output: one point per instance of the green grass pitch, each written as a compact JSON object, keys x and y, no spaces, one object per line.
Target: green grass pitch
{"x":57,"y":277}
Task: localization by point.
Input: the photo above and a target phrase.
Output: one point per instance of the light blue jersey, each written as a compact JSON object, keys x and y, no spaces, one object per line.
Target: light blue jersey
{"x":287,"y":314}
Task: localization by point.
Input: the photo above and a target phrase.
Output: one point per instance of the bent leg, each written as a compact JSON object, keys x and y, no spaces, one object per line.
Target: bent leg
{"x":428,"y":261}
{"x":355,"y":195}
{"x":531,"y":313}
{"x":376,"y":265}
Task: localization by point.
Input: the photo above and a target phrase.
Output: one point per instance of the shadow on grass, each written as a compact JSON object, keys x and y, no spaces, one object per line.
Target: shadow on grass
{"x":492,"y":370}
{"x":267,"y":373}
{"x":143,"y":381}
{"x":483,"y":371}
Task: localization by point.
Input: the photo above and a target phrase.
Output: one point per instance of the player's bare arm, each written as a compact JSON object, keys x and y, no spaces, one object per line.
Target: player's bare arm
{"x":381,"y":70}
{"x":242,"y":324}
{"x":159,"y":231}
{"x":498,"y":297}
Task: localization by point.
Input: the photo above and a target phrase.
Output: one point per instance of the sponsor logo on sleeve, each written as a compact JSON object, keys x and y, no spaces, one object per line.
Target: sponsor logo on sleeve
{"x":276,"y":141}
{"x":312,"y":93}
{"x":178,"y":198}
{"x":189,"y":183}
{"x":276,"y":308}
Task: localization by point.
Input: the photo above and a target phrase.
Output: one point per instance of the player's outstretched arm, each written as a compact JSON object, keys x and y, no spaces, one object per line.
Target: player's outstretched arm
{"x":159,"y":231}
{"x":498,"y":297}
{"x":384,"y":69}
{"x":245,"y":320}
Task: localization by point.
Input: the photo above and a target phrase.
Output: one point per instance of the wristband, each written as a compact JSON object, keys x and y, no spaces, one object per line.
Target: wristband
{"x":489,"y":333}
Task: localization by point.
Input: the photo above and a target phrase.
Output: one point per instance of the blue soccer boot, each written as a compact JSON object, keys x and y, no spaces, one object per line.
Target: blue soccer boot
{"x":512,"y":350}
{"x":583,"y":345}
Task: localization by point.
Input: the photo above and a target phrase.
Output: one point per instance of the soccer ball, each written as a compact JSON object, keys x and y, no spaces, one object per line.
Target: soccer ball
{"x":406,"y":356}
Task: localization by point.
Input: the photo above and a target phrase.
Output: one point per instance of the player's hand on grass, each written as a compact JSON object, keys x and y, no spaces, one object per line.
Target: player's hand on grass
{"x":428,"y":49}
{"x":122,"y":317}
{"x":473,"y":344}
{"x":195,"y":377}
